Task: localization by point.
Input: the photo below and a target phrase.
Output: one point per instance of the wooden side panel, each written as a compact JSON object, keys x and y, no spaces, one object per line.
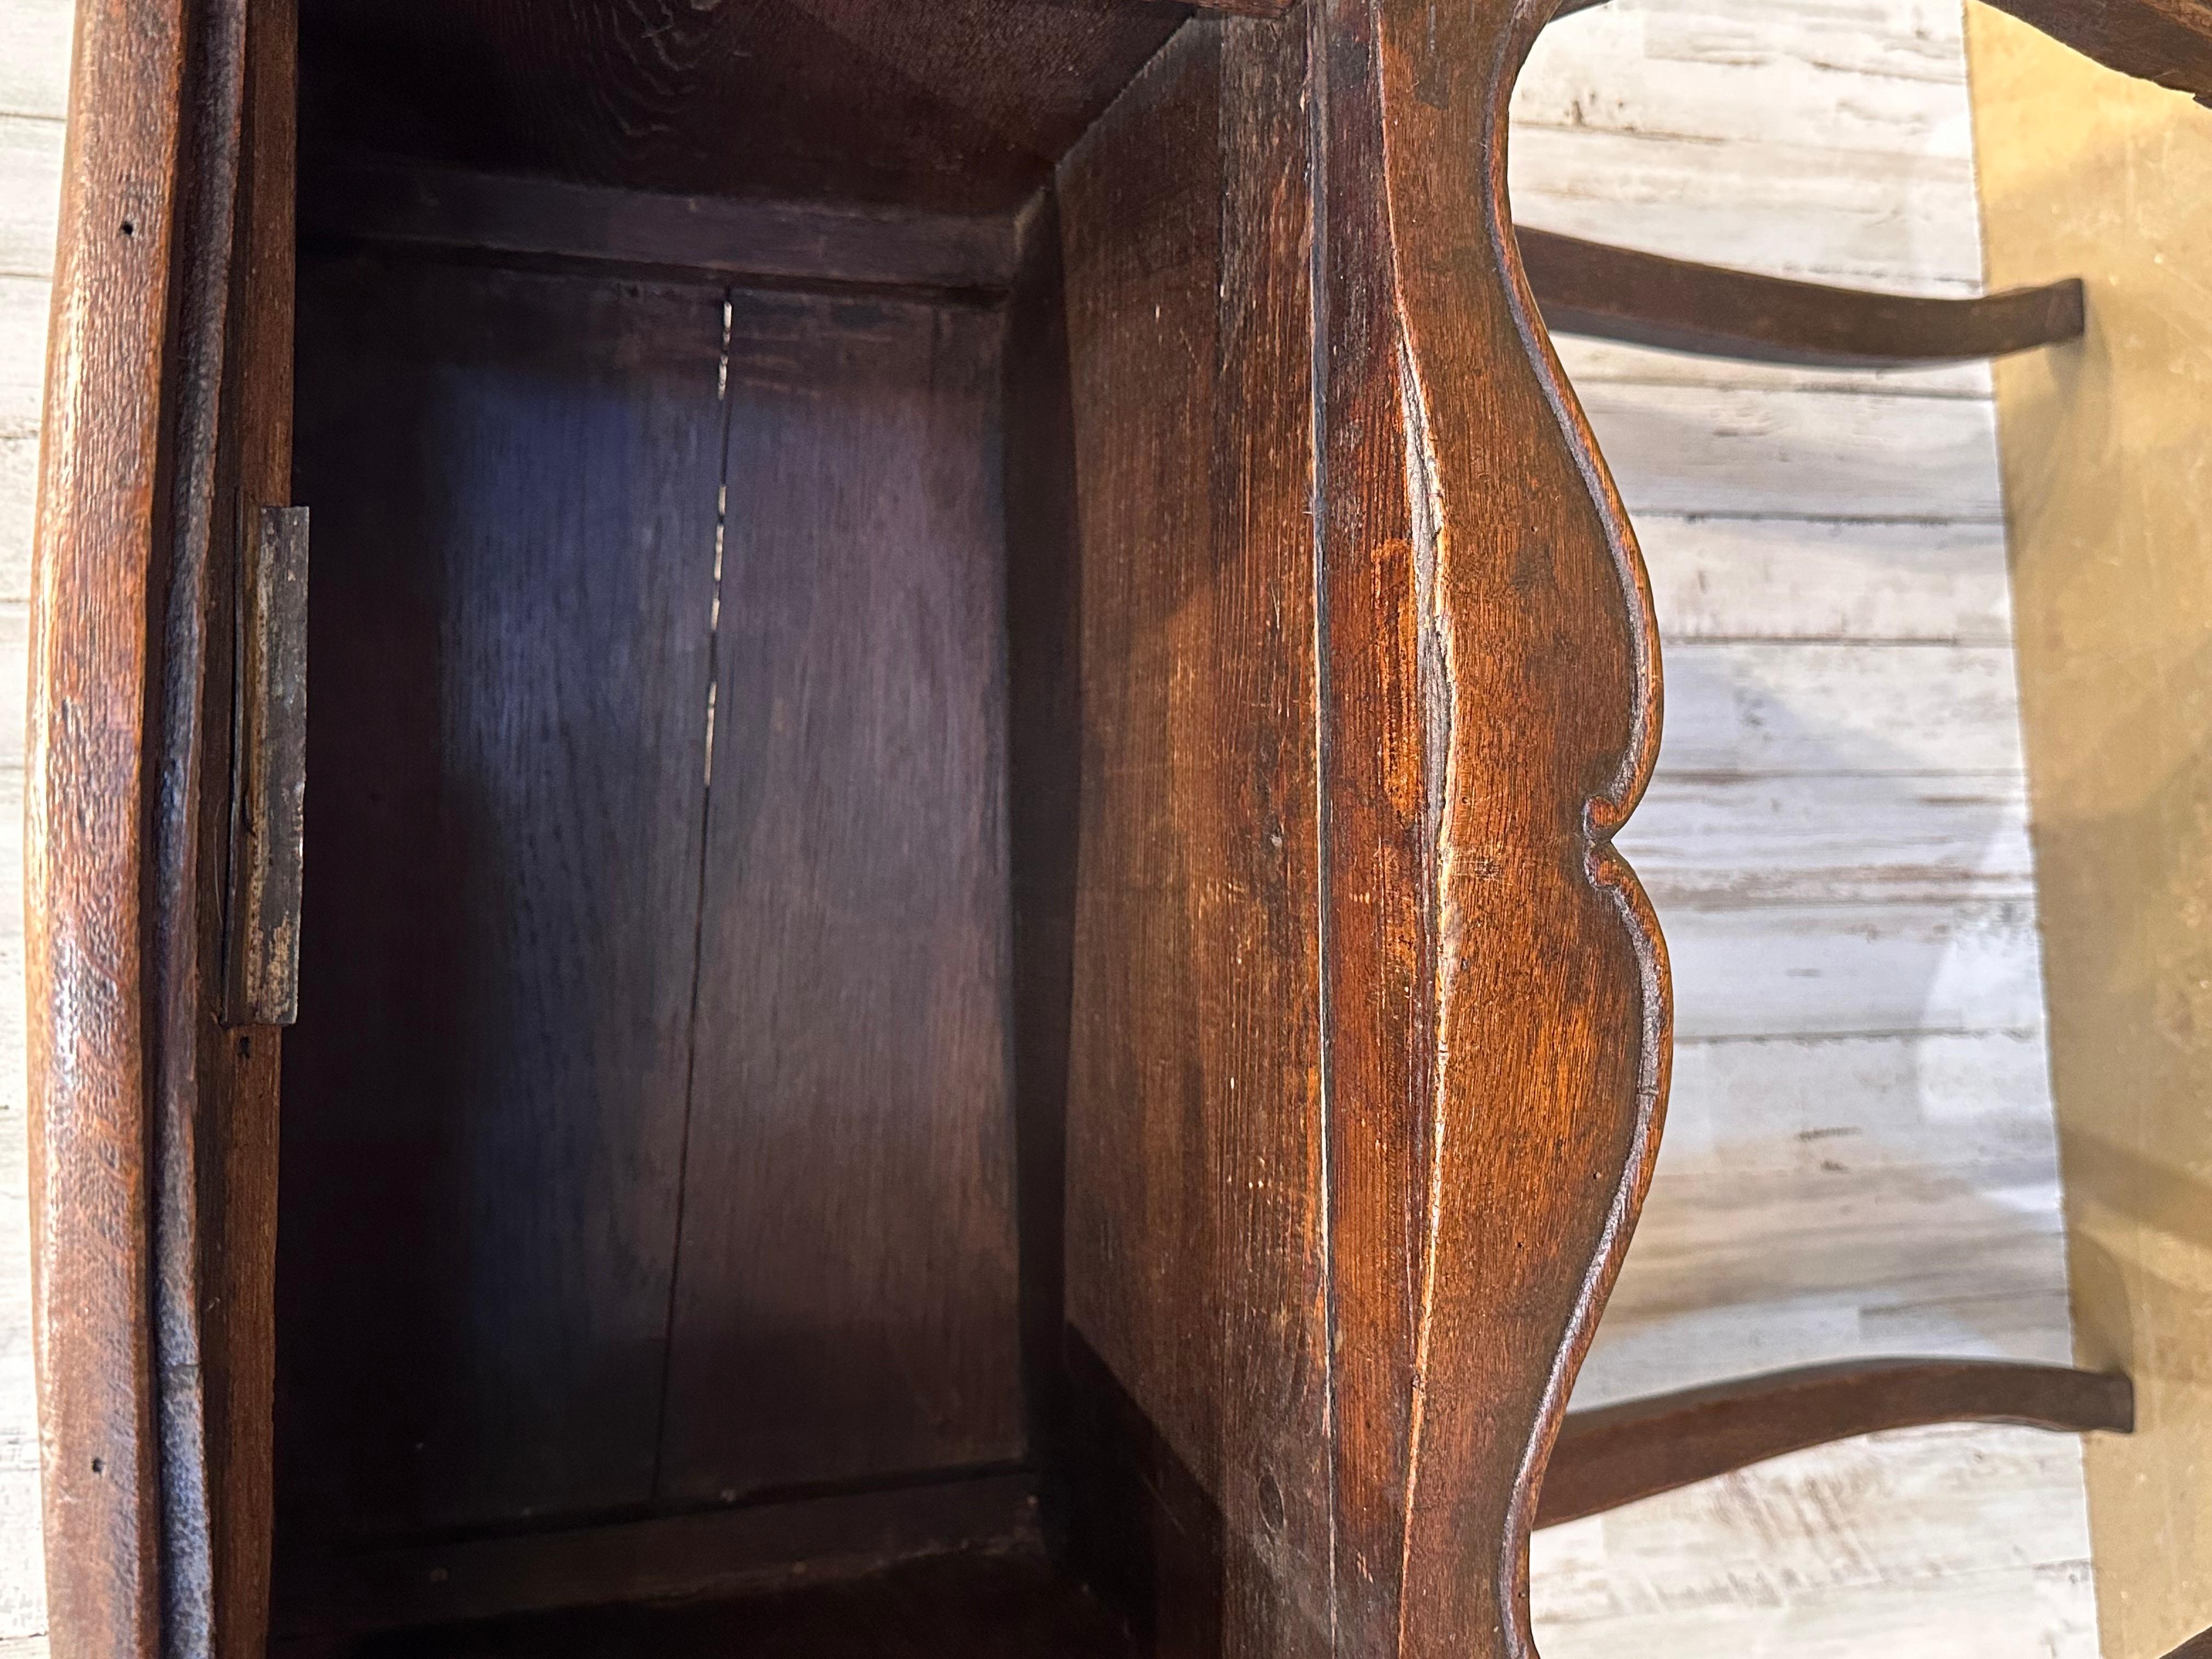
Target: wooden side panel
{"x":846,"y":1306}
{"x":93,"y":609}
{"x":1369,"y":1026}
{"x":171,"y":302}
{"x":1497,"y":1000}
{"x":1195,"y":1291}
{"x":513,"y":481}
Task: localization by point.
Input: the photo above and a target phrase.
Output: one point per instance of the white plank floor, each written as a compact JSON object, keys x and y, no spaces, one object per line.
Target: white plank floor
{"x":1860,"y":1156}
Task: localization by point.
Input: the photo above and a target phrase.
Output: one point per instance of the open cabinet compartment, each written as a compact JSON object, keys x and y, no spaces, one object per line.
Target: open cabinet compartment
{"x":960,"y":988}
{"x":676,"y":1134}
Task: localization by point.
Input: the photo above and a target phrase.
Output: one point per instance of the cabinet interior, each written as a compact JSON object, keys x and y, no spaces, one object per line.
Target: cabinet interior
{"x":673,"y":1165}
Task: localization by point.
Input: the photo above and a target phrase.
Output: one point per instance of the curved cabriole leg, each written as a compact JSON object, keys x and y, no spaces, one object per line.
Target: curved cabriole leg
{"x":1614,"y":1454}
{"x":1497,"y":983}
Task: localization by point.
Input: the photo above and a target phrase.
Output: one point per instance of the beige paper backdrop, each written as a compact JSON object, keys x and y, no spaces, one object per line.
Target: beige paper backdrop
{"x":2108,"y":452}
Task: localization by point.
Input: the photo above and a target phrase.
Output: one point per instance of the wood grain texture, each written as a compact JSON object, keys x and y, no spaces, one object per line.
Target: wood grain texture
{"x":1646,"y":299}
{"x":1484,"y":1186}
{"x":845,"y":1306}
{"x":261,"y":926}
{"x":1614,"y":1454}
{"x":749,"y":1550}
{"x":1195,"y":1275}
{"x":156,"y":1479}
{"x":88,"y":773}
{"x":515,"y":482}
{"x":362,"y":199}
{"x":963,"y":105}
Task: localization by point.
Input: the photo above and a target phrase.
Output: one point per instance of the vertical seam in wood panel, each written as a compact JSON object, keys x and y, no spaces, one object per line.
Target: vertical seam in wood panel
{"x":699,"y":898}
{"x":1317,"y":71}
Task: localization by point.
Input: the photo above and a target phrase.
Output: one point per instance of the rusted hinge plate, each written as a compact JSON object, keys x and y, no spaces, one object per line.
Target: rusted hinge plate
{"x":268,"y":773}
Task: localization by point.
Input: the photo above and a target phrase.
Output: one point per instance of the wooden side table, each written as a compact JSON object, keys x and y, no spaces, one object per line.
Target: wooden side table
{"x":919,"y":950}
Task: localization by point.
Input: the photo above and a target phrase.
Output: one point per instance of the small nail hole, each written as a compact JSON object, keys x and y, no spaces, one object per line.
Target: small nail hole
{"x":98,"y":1467}
{"x":129,"y":229}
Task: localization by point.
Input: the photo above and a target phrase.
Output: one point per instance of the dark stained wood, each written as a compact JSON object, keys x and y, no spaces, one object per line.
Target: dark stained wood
{"x":513,"y":479}
{"x":846,"y":1303}
{"x":959,"y":105}
{"x":1005,"y":1603}
{"x":747,"y":1550}
{"x":1497,"y":990}
{"x":1647,"y":299}
{"x":269,"y":793}
{"x":239,"y":1071}
{"x":2196,"y":1646}
{"x":1044,"y":772}
{"x":1195,"y":1277}
{"x":546,"y":221}
{"x":1614,"y":1454}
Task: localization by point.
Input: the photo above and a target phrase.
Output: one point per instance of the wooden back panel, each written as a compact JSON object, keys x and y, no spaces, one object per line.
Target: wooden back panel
{"x":646,"y":1139}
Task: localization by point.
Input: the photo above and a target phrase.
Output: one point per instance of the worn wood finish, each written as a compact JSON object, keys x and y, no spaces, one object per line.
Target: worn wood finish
{"x":442,"y":210}
{"x":1647,"y":299}
{"x":514,"y":481}
{"x":751,"y":1550}
{"x":261,"y":941}
{"x":1489,"y":989}
{"x":1609,"y":1455}
{"x":1192,"y":1096}
{"x":168,"y":419}
{"x":845,"y":1305}
{"x":1484,"y":1174}
{"x":963,"y":105}
{"x":85,"y":854}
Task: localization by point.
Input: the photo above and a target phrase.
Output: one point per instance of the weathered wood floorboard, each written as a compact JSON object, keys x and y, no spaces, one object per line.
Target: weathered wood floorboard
{"x":1860,"y":1158}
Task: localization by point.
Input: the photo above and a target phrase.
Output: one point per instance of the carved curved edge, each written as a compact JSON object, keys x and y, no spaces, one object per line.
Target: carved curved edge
{"x":1531,"y":642}
{"x":2168,"y":42}
{"x":1648,"y":299}
{"x":1615,"y":1454}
